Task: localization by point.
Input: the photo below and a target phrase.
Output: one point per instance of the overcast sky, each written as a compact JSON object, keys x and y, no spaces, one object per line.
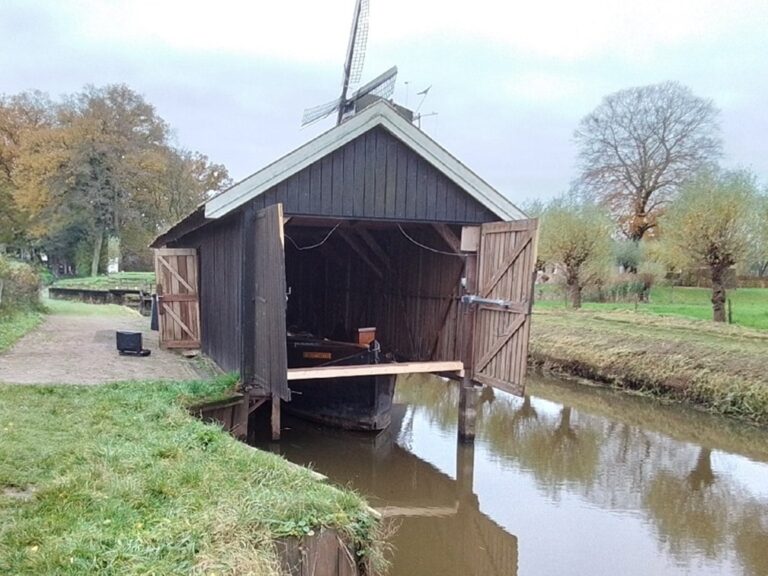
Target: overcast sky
{"x":510,"y":80}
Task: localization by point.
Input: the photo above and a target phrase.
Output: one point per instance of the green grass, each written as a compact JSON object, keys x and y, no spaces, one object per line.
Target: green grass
{"x":719,"y":367}
{"x":126,"y":280}
{"x":14,"y":325}
{"x":71,"y":308}
{"x":749,"y":305}
{"x":119,"y":479}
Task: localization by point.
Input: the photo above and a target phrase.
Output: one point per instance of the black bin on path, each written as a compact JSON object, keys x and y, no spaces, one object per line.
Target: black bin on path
{"x":129,"y":343}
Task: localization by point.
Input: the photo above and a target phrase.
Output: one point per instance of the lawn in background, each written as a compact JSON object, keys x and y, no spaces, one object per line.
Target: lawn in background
{"x":119,"y":280}
{"x":71,"y":308}
{"x":749,"y":305}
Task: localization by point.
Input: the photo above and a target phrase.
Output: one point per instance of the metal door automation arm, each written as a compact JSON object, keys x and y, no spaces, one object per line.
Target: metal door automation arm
{"x":472,"y":299}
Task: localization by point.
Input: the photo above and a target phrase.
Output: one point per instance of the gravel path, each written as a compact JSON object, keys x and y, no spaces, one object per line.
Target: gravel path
{"x":79,"y":349}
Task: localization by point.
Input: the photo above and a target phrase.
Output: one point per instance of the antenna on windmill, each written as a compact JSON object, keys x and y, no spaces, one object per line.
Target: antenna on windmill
{"x":423,"y":95}
{"x":417,"y":116}
{"x":383,"y":86}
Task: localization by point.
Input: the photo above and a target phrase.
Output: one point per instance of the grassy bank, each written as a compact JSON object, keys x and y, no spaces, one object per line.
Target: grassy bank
{"x":13,"y":325}
{"x":721,"y":368}
{"x":749,"y":305}
{"x":118,"y":280}
{"x":119,"y":479}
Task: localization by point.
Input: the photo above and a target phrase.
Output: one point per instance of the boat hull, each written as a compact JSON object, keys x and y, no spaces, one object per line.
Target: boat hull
{"x":354,"y":403}
{"x":359,"y":403}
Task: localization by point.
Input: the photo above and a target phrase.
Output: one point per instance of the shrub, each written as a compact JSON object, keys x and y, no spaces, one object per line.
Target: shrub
{"x":19,"y":285}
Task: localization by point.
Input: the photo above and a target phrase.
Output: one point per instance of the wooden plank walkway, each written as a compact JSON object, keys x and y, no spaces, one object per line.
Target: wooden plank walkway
{"x":322,"y":372}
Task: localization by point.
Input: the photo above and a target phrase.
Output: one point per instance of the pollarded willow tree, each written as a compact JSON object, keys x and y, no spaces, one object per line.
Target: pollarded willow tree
{"x":576,"y":237}
{"x":640,"y":145}
{"x":710,"y":225}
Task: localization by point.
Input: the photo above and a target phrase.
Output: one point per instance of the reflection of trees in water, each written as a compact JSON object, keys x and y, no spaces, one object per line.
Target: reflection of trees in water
{"x":751,"y":538}
{"x":690,"y":509}
{"x":694,"y":508}
{"x":554,"y":450}
{"x":617,"y":460}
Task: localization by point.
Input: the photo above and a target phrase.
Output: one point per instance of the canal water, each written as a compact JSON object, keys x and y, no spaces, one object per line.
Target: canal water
{"x":568,"y":480}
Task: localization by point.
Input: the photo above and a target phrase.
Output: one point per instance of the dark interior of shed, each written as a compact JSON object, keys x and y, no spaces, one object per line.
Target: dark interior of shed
{"x":403,"y":279}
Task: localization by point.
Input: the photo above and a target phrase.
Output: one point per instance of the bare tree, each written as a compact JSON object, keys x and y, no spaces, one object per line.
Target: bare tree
{"x":640,"y":145}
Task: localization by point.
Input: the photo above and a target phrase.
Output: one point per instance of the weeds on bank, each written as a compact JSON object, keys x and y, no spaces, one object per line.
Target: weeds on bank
{"x":720,"y":368}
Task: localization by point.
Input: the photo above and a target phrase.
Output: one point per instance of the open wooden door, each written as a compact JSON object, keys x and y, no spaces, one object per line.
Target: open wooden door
{"x":506,"y":263}
{"x":270,"y":353}
{"x":177,"y":297}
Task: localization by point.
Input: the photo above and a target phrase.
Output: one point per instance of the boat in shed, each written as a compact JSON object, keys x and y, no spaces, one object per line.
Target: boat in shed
{"x":361,"y":402}
{"x":370,"y":224}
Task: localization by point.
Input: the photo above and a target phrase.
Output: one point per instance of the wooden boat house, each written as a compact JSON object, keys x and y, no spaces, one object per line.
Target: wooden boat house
{"x":371,"y":224}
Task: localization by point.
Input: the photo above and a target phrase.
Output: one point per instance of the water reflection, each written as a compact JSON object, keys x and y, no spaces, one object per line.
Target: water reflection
{"x":568,"y":480}
{"x":440,"y":529}
{"x":633,"y":457}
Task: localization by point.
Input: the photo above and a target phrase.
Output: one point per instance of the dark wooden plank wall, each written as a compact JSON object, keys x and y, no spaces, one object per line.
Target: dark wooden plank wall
{"x":376,"y":177}
{"x":219,"y":255}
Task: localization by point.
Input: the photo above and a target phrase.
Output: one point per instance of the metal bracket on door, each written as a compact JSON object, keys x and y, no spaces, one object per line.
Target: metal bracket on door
{"x":472,"y":299}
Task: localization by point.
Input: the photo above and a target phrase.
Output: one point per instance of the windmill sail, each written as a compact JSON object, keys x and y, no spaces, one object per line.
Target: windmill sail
{"x":358,"y":40}
{"x":382,"y":86}
{"x":319,"y":112}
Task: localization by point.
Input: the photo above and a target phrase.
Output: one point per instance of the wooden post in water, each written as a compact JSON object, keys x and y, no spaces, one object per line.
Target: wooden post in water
{"x":467,"y":393}
{"x":465,"y":467}
{"x":275,"y":417}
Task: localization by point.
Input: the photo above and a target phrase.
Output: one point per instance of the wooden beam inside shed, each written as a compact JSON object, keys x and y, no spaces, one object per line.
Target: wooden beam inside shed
{"x":323,"y":372}
{"x":360,"y":252}
{"x":374,"y":246}
{"x":453,"y":241}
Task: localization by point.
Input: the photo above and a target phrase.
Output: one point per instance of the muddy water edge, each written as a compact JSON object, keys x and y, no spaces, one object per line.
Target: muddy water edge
{"x":568,"y":480}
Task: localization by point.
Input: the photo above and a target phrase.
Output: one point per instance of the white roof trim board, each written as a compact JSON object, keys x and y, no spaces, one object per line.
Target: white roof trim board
{"x":378,"y":114}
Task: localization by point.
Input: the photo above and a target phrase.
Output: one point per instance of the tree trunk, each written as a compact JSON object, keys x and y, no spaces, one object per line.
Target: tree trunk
{"x":718,"y":295}
{"x":574,"y":293}
{"x":97,"y":242}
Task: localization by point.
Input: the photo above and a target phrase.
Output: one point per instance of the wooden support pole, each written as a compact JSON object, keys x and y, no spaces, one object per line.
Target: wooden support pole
{"x":275,"y":417}
{"x":240,"y":428}
{"x":247,"y":300}
{"x":467,"y":393}
{"x":465,"y":467}
{"x":467,"y":412}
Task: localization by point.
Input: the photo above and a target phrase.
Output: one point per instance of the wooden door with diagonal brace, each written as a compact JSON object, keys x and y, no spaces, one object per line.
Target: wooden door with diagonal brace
{"x":506,"y":264}
{"x":177,"y":295}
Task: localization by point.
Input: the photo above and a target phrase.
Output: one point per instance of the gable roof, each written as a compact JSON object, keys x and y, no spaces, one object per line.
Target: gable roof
{"x":379,"y":114}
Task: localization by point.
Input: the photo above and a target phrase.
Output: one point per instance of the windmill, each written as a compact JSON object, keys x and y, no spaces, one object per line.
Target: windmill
{"x":383,"y":86}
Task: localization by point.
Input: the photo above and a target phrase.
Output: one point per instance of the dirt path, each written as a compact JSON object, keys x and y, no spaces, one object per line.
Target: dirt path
{"x":80,"y":349}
